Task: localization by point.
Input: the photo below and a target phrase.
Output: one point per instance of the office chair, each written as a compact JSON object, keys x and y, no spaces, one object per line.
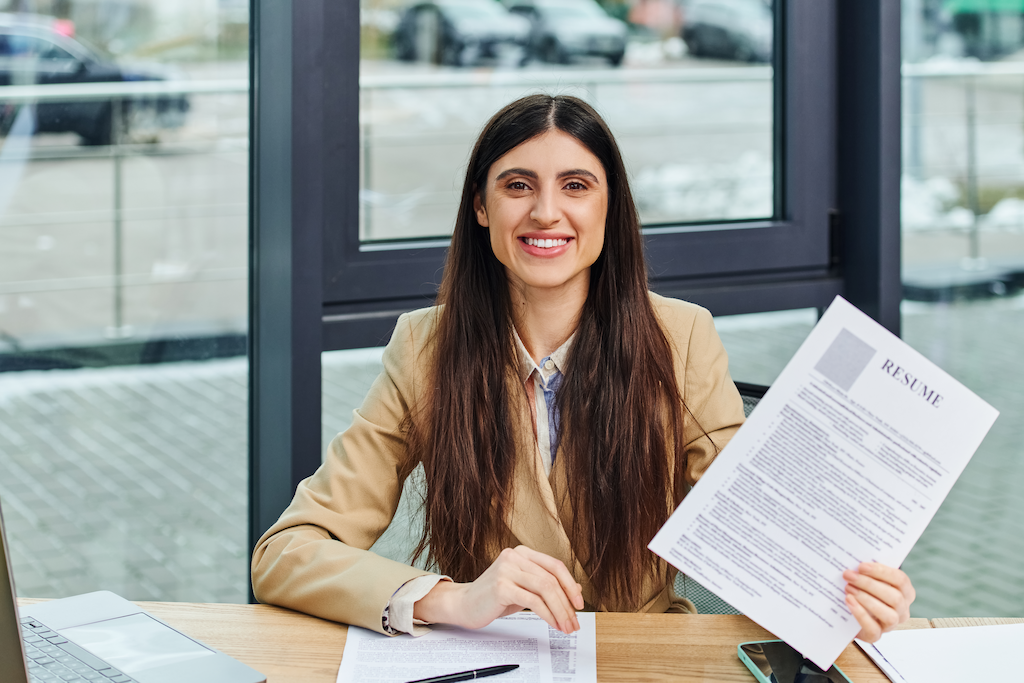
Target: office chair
{"x":706,"y":601}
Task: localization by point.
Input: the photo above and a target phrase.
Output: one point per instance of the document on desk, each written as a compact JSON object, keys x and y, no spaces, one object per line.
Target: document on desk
{"x":846,"y":459}
{"x":544,"y":655}
{"x":926,"y":655}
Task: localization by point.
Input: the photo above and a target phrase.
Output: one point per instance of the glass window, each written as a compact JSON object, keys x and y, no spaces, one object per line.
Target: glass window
{"x":123,"y":304}
{"x":688,"y":90}
{"x":761,"y":344}
{"x":21,"y":44}
{"x":963,"y":281}
{"x":49,"y":51}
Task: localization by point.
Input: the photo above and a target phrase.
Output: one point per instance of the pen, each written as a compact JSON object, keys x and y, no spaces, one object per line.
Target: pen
{"x":469,"y":675}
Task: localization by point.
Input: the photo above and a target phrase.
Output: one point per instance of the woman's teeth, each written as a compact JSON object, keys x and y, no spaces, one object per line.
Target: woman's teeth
{"x":545,"y":244}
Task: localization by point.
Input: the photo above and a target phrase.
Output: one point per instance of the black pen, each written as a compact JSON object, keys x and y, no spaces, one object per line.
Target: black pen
{"x":469,"y":675}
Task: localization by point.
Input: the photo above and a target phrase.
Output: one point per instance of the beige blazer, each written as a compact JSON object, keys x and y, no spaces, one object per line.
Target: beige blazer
{"x":315,"y":558}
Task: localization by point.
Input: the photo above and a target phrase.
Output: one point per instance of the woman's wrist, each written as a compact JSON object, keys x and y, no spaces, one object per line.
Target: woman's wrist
{"x":436,"y":607}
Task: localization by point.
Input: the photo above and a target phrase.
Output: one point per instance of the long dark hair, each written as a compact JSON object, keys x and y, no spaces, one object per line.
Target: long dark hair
{"x":621,"y":433}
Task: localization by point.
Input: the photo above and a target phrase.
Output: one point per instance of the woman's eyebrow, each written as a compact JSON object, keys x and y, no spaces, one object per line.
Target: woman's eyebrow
{"x":516,"y":171}
{"x":579,"y":172}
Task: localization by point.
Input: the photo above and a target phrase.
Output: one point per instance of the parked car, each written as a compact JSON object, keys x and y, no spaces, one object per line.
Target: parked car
{"x":740,"y":30}
{"x":562,"y":30}
{"x":460,"y":33}
{"x":36,"y":50}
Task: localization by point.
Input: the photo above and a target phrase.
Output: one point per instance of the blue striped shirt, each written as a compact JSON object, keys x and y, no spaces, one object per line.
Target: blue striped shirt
{"x":541,"y":382}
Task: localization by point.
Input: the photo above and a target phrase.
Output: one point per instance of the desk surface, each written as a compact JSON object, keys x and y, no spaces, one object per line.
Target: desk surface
{"x":290,"y":647}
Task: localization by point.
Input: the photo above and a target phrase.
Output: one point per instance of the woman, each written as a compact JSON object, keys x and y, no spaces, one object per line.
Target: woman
{"x":559,"y":409}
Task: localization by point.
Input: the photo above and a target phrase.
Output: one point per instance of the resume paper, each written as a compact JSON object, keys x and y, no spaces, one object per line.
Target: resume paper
{"x":845,"y":460}
{"x":544,"y":655}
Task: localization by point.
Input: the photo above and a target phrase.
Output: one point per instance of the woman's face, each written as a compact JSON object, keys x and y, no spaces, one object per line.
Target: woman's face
{"x":545,"y":206}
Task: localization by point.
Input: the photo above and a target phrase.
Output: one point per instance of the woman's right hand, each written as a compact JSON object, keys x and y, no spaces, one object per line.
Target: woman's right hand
{"x":519,"y":578}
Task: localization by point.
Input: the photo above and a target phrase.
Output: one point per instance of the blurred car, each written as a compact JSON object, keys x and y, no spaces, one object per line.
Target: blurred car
{"x":740,"y":30}
{"x":36,"y":50}
{"x":460,"y":33}
{"x":562,"y":30}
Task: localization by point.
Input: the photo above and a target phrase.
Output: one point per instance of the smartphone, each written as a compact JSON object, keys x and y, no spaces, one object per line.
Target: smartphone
{"x":773,"y":661}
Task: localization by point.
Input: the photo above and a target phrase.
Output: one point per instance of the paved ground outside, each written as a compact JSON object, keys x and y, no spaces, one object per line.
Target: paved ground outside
{"x":134,"y":479}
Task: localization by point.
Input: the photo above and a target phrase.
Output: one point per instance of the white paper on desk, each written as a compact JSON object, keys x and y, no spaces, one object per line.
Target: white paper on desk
{"x":544,"y":655}
{"x":926,"y":655}
{"x":843,"y":461}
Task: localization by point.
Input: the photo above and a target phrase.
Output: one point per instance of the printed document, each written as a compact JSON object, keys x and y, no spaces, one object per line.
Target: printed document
{"x":845,"y":460}
{"x":926,"y":655}
{"x":544,"y":655}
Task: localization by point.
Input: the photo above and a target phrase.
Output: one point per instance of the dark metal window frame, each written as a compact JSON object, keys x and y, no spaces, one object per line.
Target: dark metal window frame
{"x":312,"y":288}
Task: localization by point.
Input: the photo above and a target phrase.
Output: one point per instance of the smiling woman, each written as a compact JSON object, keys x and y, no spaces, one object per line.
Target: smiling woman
{"x":544,"y":205}
{"x":559,"y":409}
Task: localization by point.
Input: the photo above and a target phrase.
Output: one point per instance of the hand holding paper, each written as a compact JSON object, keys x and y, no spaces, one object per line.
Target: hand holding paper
{"x":879,"y":597}
{"x":845,"y":460}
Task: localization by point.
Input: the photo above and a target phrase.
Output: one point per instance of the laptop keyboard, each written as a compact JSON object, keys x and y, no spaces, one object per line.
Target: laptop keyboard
{"x":52,"y":659}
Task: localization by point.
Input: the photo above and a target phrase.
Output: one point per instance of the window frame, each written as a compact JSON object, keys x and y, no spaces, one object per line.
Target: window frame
{"x":719,"y":264}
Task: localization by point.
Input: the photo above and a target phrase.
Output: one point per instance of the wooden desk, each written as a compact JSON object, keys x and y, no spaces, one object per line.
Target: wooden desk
{"x":289,"y":647}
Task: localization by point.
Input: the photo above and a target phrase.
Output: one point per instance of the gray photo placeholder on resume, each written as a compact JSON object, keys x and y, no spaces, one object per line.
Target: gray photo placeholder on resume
{"x":845,"y":359}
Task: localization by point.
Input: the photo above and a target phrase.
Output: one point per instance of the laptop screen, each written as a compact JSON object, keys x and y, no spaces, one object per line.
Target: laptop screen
{"x":12,"y":657}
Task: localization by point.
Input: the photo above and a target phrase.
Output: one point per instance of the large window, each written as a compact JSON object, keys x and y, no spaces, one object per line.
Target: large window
{"x":123,"y":296}
{"x":705,"y":101}
{"x":687,"y":89}
{"x":963,"y":275}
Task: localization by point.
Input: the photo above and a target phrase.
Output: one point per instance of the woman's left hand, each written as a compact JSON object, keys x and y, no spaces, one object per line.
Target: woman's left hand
{"x":879,"y":597}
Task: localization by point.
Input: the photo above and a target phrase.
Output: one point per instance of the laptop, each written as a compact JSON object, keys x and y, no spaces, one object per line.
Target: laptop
{"x":100,"y":638}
